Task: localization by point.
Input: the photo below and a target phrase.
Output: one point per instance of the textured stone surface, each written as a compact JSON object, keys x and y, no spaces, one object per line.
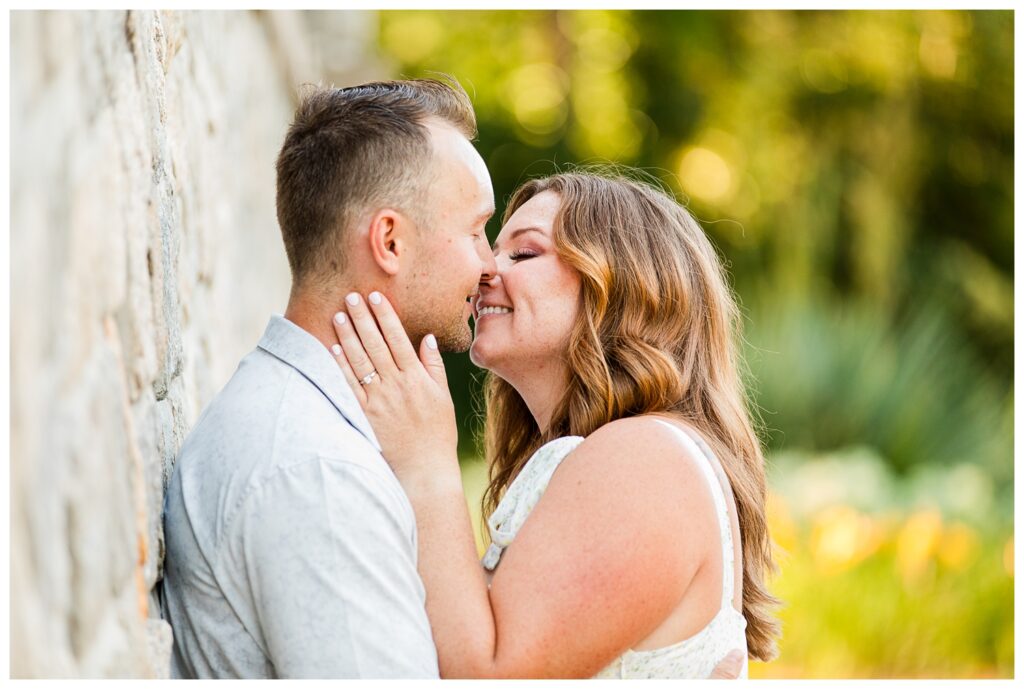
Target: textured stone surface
{"x":145,"y":260}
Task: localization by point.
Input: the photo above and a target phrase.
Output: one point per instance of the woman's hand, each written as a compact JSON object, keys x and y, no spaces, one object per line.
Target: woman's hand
{"x":405,"y":396}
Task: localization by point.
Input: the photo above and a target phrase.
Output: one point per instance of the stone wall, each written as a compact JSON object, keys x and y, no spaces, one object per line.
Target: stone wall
{"x":145,"y":260}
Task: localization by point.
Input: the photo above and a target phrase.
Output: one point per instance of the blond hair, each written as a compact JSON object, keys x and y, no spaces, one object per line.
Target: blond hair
{"x":656,"y":333}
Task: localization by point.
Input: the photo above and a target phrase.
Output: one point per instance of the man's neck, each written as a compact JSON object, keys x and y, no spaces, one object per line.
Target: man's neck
{"x":315,"y":314}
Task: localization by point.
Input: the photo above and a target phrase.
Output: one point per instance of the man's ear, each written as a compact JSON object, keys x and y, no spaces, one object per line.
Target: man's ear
{"x":389,"y":239}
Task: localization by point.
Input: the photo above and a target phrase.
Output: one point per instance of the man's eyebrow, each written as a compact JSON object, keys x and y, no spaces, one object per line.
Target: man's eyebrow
{"x":516,"y":233}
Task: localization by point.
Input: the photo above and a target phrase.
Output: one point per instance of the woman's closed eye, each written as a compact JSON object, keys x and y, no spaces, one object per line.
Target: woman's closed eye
{"x":522,"y":254}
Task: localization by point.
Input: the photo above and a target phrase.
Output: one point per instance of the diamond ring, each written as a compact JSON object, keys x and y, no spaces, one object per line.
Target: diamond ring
{"x":365,"y":380}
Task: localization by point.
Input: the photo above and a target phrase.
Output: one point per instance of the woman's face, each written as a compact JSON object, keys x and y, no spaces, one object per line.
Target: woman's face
{"x":524,"y":314}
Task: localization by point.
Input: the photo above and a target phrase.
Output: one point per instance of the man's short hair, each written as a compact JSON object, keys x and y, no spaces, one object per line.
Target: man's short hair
{"x":352,"y":149}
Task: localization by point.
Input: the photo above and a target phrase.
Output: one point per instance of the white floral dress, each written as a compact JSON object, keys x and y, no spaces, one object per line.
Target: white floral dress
{"x":694,"y":657}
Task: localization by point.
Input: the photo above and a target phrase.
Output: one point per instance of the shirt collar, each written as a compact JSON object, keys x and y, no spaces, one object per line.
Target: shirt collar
{"x":307,"y":355}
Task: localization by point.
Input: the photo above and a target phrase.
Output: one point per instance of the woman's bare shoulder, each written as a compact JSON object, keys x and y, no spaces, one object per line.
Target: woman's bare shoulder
{"x":640,"y":460}
{"x":637,"y":442}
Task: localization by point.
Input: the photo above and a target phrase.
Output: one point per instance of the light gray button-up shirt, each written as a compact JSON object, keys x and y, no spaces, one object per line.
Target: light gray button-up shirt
{"x":291,"y":547}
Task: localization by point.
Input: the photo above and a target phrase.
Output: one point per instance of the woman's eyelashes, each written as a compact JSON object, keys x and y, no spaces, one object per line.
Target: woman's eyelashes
{"x":522,"y":254}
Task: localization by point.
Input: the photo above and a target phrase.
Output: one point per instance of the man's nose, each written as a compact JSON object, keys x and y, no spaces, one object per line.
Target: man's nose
{"x":490,"y":267}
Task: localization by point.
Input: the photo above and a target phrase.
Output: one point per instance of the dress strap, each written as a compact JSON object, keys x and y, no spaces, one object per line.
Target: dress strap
{"x":700,"y":449}
{"x":523,"y":493}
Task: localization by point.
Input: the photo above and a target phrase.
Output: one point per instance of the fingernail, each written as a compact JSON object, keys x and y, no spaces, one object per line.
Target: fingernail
{"x":336,"y":349}
{"x":431,"y":342}
{"x":374,"y":298}
{"x":339,"y":318}
{"x":352,"y":299}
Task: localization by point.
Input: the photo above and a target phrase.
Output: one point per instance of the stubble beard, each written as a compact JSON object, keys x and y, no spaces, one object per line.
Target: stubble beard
{"x":452,"y":331}
{"x":457,"y":337}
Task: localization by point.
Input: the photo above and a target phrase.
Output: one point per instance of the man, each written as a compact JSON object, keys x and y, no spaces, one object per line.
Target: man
{"x":291,"y":547}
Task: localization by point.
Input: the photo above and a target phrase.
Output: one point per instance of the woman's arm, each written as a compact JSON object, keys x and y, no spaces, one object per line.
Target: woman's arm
{"x":605,"y":556}
{"x":603,"y":559}
{"x":458,"y":600}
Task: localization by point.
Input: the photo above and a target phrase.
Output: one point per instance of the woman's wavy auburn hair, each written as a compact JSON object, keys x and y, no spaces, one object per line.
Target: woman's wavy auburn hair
{"x":657,"y":333}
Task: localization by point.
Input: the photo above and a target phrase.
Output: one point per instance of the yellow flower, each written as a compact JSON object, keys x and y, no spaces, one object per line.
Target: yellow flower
{"x":917,"y":542}
{"x":842,"y":537}
{"x":958,"y":545}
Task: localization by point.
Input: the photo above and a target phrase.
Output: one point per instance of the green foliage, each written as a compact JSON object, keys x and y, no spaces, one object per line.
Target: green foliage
{"x":829,"y":375}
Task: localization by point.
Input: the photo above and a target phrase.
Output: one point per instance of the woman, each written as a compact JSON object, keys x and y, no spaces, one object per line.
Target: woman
{"x":627,"y":488}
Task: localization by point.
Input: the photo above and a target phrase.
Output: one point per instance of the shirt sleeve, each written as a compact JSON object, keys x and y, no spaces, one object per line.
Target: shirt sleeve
{"x":329,"y":552}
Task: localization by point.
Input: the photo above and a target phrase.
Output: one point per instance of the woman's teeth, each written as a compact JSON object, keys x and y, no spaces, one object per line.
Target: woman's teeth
{"x":493,"y":309}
